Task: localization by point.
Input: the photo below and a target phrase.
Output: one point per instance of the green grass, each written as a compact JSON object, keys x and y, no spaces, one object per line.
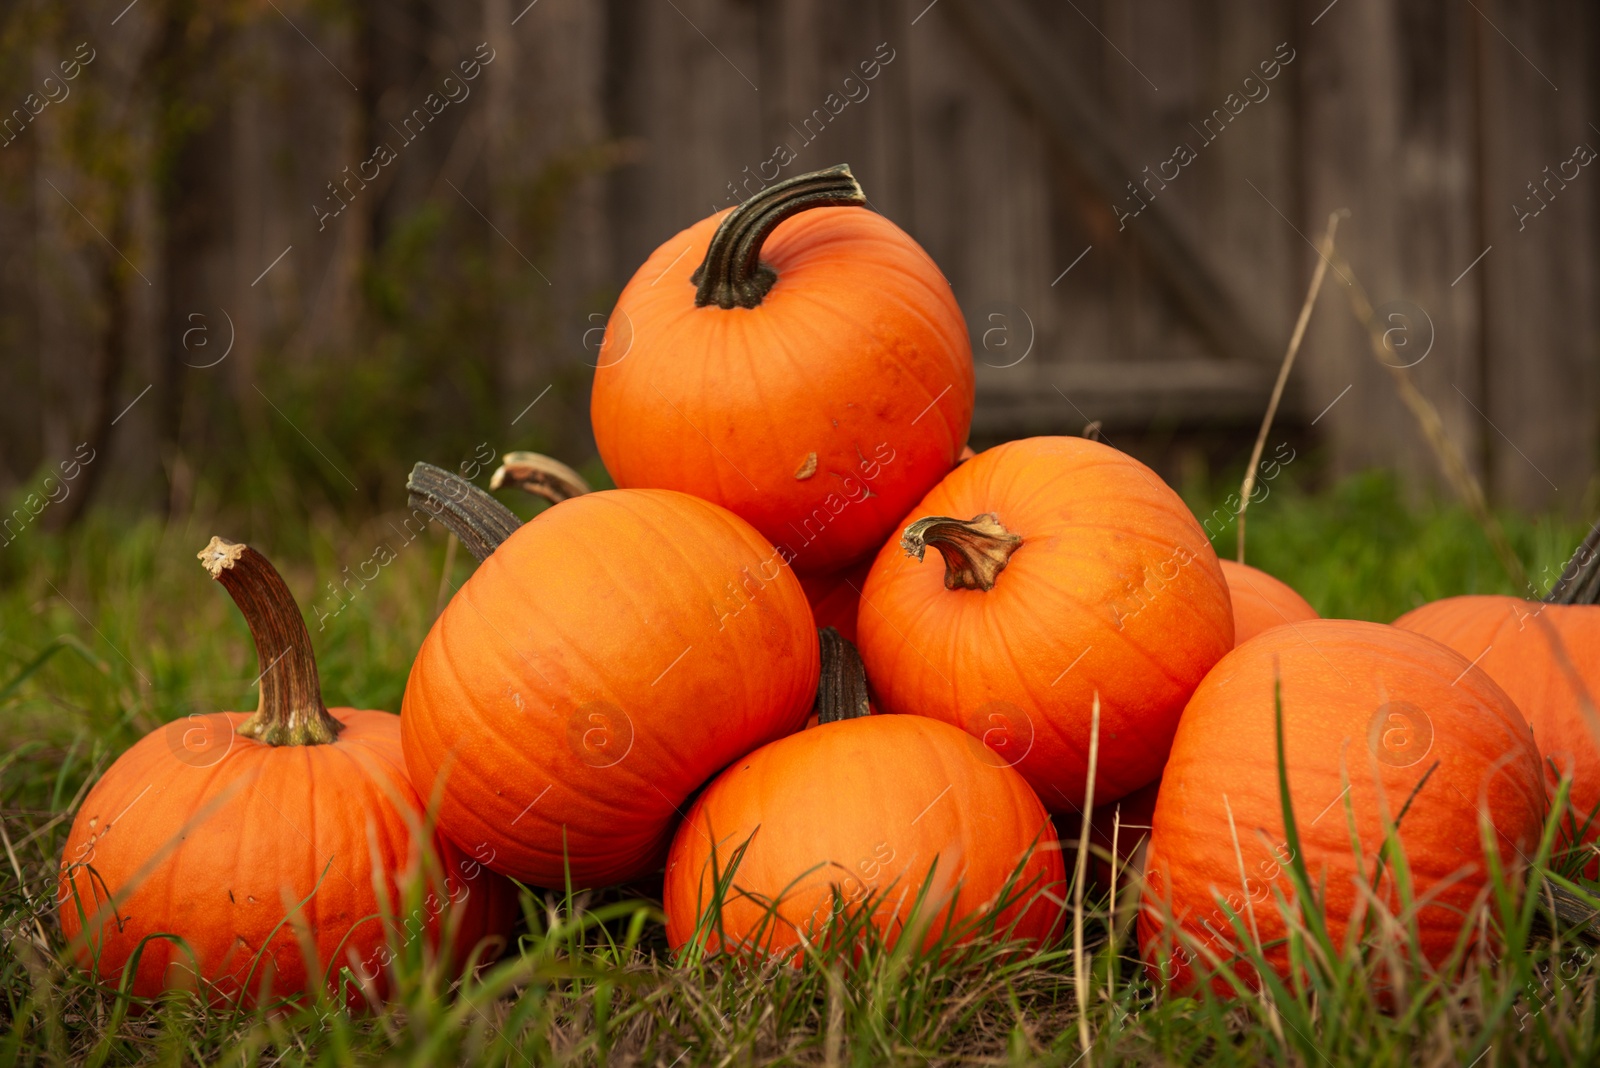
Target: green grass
{"x":1360,"y":551}
{"x":113,"y":629}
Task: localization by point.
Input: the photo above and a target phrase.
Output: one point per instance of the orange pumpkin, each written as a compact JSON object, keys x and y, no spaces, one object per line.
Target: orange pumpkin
{"x":1546,"y":655}
{"x":1261,"y":601}
{"x":835,"y":598}
{"x":857,"y":817}
{"x":604,"y":661}
{"x":251,"y":836}
{"x":1079,"y":572}
{"x":799,"y":360}
{"x":1376,"y":719}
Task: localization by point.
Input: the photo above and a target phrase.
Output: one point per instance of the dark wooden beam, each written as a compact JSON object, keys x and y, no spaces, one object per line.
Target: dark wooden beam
{"x":1121,"y":394}
{"x":1015,"y":47}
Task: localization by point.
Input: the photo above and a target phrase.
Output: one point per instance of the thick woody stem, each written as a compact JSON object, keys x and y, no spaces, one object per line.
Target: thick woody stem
{"x":732,"y":274}
{"x":842,"y":689}
{"x":480,"y":521}
{"x":1580,"y":579}
{"x":975,"y":550}
{"x":291,"y":711}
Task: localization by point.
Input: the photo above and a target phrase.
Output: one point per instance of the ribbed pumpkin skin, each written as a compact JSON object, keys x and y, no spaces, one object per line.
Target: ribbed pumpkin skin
{"x":868,"y":803}
{"x":601,"y":665}
{"x":1261,"y":602}
{"x":835,"y":598}
{"x":1354,"y":696}
{"x":1516,"y":643}
{"x":858,"y":354}
{"x":211,"y":853}
{"x":1097,"y":598}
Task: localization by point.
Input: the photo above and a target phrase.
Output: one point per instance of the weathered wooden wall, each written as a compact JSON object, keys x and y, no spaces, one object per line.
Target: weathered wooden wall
{"x":1005,"y":135}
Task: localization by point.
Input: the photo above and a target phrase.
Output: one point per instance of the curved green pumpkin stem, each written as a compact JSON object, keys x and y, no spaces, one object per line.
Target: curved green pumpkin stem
{"x":842,"y":689}
{"x":732,"y":274}
{"x":539,"y":475}
{"x":480,"y":521}
{"x":291,"y":711}
{"x":1580,"y":579}
{"x":975,"y":550}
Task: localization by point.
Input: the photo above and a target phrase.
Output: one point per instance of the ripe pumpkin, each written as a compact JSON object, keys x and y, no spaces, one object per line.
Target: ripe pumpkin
{"x":250,"y":835}
{"x":857,"y":816}
{"x":836,"y":598}
{"x":1080,"y":572}
{"x":813,"y":373}
{"x":1261,"y":601}
{"x":1364,"y":705}
{"x":1546,"y":655}
{"x":604,"y":661}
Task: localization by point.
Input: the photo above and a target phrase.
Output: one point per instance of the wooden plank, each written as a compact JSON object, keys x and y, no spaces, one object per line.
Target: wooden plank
{"x":824,"y":95}
{"x":88,"y":327}
{"x":1102,"y":302}
{"x":1436,"y":228}
{"x":691,"y":93}
{"x":1542,"y":387}
{"x":22,"y":416}
{"x":1385,"y":129}
{"x":1215,"y":201}
{"x":982,"y":199}
{"x":1016,"y":50}
{"x":547,"y":163}
{"x":1121,"y":394}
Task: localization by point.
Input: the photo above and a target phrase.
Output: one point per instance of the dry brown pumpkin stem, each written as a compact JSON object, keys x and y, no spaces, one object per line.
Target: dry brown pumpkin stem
{"x":291,"y":711}
{"x":1580,"y":579}
{"x":732,"y":274}
{"x":539,"y":475}
{"x":480,"y":521}
{"x":975,"y":550}
{"x":842,"y":688}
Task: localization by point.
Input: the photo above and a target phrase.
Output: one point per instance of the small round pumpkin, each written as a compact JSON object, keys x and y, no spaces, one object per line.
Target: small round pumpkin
{"x":603,"y":662}
{"x":1261,"y":601}
{"x":799,"y":360}
{"x":859,"y":816}
{"x":1069,"y":570}
{"x":1384,"y":722}
{"x":252,"y":836}
{"x":1546,"y":655}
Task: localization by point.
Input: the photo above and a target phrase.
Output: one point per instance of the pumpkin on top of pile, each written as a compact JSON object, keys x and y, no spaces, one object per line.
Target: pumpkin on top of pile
{"x":798,"y":360}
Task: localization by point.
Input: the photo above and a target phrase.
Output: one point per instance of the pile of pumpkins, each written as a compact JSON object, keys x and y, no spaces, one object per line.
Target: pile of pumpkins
{"x":634,"y":681}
